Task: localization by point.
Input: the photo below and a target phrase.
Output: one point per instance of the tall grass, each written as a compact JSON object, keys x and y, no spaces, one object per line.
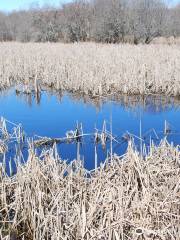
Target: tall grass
{"x":129,"y":198}
{"x":93,"y":69}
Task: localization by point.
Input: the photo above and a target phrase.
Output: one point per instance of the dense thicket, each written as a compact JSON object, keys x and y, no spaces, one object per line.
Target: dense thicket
{"x":96,"y":20}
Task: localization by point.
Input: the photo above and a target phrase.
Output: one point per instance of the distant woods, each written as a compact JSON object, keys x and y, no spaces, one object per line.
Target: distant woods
{"x":109,"y":21}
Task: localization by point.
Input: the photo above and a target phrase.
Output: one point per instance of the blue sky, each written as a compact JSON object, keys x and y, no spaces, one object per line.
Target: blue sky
{"x":9,"y":5}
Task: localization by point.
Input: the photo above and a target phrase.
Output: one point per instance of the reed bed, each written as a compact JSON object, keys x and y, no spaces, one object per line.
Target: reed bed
{"x":93,"y":69}
{"x":128,"y":198}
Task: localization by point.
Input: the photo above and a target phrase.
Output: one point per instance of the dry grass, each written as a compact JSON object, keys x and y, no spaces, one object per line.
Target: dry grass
{"x":163,"y":40}
{"x":93,"y":69}
{"x":129,"y":198}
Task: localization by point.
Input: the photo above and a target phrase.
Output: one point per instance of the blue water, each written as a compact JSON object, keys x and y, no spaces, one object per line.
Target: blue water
{"x":52,"y":116}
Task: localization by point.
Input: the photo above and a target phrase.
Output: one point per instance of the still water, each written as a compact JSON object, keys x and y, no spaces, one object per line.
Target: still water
{"x":54,"y":114}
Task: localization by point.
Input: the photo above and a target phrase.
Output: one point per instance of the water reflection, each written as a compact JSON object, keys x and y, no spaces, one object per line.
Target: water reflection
{"x":151,"y":103}
{"x":52,"y":114}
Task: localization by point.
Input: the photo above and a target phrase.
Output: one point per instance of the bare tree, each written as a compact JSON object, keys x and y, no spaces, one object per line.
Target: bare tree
{"x":174,"y":21}
{"x":4,"y":31}
{"x":76,"y":21}
{"x":45,"y":25}
{"x":148,"y":17}
{"x":108,"y":21}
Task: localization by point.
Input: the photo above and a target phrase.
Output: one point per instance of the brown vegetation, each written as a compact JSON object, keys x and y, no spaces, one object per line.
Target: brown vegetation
{"x":163,"y":40}
{"x":110,"y":21}
{"x":93,"y":69}
{"x":127,"y":198}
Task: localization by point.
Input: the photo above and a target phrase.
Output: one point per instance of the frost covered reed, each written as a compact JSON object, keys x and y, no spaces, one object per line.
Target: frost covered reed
{"x":128,"y":198}
{"x":93,"y":69}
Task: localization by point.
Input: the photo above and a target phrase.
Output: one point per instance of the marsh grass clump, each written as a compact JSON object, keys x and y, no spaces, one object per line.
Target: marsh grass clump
{"x":92,"y":69}
{"x":128,"y":198}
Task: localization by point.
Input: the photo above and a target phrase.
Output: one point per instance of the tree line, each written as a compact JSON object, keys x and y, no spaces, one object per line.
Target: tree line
{"x":109,"y":21}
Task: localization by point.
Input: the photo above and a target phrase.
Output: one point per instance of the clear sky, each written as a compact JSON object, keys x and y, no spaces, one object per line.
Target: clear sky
{"x":9,"y":5}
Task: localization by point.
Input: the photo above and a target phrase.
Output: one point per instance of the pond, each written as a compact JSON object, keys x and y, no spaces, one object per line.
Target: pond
{"x":53,"y":114}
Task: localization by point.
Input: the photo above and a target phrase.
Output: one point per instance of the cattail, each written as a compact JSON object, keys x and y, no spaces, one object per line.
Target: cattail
{"x":93,"y":69}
